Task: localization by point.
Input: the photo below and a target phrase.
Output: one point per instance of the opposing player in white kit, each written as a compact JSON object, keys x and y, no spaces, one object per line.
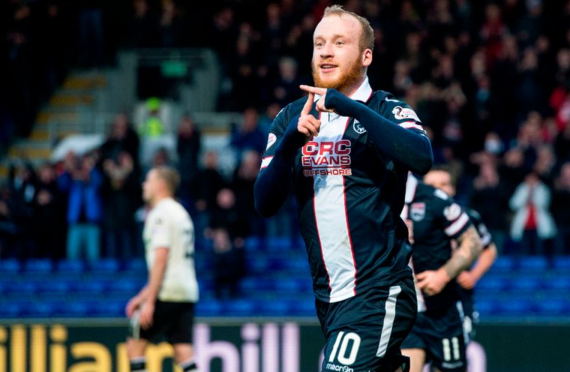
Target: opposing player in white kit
{"x":165,"y":306}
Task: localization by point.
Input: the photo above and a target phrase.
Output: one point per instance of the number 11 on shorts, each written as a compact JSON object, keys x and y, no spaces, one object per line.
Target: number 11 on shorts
{"x":343,"y":340}
{"x":447,"y":349}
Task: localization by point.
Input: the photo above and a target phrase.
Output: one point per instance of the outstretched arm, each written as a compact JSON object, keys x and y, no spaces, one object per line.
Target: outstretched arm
{"x":407,"y":147}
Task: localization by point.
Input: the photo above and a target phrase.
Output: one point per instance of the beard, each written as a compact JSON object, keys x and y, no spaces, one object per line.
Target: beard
{"x":341,"y":83}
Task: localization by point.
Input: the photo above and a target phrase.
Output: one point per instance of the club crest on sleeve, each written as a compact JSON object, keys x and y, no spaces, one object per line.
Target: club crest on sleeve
{"x":358,"y":128}
{"x":452,"y":211}
{"x":401,"y":113}
{"x":271,"y":140}
{"x":417,"y":211}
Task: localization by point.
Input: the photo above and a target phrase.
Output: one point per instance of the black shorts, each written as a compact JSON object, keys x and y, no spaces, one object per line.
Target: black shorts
{"x":172,"y":320}
{"x":441,"y":335}
{"x":471,"y":315}
{"x":364,"y":332}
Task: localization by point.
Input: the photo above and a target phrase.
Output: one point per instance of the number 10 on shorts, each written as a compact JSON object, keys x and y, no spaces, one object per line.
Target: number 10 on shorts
{"x":341,"y":344}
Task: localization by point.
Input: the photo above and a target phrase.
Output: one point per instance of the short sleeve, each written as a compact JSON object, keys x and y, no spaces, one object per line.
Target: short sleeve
{"x":159,"y":231}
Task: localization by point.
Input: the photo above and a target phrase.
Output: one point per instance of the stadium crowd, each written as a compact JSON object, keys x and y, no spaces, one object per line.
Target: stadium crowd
{"x":489,"y":79}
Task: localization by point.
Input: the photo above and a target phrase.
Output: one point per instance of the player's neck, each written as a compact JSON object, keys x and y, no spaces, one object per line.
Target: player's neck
{"x":349,"y":92}
{"x":160,"y":198}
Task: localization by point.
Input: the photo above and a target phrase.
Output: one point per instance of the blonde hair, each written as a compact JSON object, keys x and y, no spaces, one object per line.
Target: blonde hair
{"x":170,"y":177}
{"x":367,"y":36}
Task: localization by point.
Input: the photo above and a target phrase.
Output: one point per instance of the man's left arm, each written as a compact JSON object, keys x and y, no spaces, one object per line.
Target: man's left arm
{"x":432,"y":282}
{"x":413,"y":149}
{"x":469,"y":278}
{"x":156,"y":275}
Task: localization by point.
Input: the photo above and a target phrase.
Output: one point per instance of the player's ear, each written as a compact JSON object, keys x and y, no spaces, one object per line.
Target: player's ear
{"x":366,"y":57}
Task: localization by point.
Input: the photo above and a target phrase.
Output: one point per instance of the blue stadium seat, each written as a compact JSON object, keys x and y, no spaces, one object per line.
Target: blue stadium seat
{"x":206,"y":284}
{"x":253,"y":244}
{"x":502,"y":265}
{"x":279,"y":307}
{"x":70,"y":267}
{"x":10,"y":266}
{"x":75,"y":309}
{"x":561,"y":264}
{"x":10,"y":309}
{"x":108,"y":308}
{"x":239,"y":307}
{"x":553,"y":307}
{"x":536,"y":264}
{"x":22,"y":287}
{"x":487,"y":307}
{"x":135,"y":266}
{"x":493,"y":283}
{"x":518,"y":307}
{"x":279,"y":243}
{"x":259,"y":264}
{"x":527,"y":283}
{"x":92,"y":287}
{"x":127,"y":286}
{"x":304,"y":308}
{"x":558,"y":282}
{"x":209,"y":308}
{"x":54,"y":287}
{"x":105,"y":266}
{"x":38,"y":266}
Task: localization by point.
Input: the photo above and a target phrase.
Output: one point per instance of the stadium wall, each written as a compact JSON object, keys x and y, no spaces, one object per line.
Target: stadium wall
{"x":245,"y":345}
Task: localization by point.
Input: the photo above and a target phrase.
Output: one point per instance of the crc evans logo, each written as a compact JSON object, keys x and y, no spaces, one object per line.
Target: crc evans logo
{"x":326,"y":158}
{"x":358,"y":128}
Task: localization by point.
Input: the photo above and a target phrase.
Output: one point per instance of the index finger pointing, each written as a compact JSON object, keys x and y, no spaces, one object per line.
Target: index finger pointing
{"x":315,"y":90}
{"x":308,"y":105}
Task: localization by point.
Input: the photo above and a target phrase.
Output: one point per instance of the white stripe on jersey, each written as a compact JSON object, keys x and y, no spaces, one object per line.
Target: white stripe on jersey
{"x":410,"y":124}
{"x":332,"y":221}
{"x":457,"y":225}
{"x":388,"y":320}
{"x":265,"y":162}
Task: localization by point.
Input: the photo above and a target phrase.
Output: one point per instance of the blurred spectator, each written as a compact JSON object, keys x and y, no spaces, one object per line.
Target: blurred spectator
{"x":91,"y":33}
{"x":120,"y":191}
{"x":122,"y":138}
{"x":248,"y":136}
{"x":49,"y":217}
{"x":490,"y":195}
{"x":513,"y":169}
{"x":562,"y":144}
{"x":9,"y":225}
{"x":143,"y":26}
{"x":242,"y":183}
{"x":532,"y":224}
{"x":287,"y":84}
{"x":228,"y":264}
{"x":22,"y":182}
{"x":171,"y":26}
{"x":82,"y":182}
{"x":226,"y":215}
{"x":152,"y":125}
{"x":544,"y":165}
{"x":211,"y":182}
{"x":560,"y":208}
{"x":188,"y":145}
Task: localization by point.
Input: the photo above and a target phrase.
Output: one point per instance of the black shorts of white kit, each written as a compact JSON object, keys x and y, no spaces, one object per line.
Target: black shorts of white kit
{"x":441,"y":335}
{"x":364,"y":332}
{"x":172,"y":320}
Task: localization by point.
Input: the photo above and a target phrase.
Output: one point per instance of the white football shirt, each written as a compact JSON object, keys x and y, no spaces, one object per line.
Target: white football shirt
{"x":168,"y":225}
